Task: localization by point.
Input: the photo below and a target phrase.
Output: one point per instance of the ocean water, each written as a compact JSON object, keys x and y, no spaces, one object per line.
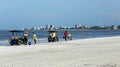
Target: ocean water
{"x":5,"y":35}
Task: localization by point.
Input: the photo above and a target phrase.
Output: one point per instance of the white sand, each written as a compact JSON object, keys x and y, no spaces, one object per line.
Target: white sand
{"x":94,"y":52}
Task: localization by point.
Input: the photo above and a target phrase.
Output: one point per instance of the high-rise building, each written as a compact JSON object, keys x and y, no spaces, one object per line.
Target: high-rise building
{"x":47,"y":26}
{"x":77,"y":26}
{"x":50,"y":26}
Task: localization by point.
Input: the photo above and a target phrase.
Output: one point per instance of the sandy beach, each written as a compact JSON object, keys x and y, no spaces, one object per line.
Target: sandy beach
{"x":93,"y":52}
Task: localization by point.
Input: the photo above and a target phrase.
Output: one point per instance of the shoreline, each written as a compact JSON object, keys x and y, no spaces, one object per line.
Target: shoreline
{"x":91,"y":52}
{"x":44,"y":40}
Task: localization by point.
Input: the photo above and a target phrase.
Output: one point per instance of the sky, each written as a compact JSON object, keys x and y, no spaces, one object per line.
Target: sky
{"x":17,"y":14}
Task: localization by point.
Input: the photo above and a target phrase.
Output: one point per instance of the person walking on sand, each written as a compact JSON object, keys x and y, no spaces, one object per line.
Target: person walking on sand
{"x":25,"y":38}
{"x":65,"y":35}
{"x":34,"y":37}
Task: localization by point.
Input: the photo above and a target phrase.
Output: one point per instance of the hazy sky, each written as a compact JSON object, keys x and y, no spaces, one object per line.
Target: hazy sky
{"x":17,"y":14}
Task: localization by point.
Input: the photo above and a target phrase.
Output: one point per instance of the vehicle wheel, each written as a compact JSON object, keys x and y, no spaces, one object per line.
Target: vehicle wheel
{"x":48,"y":40}
{"x":18,"y":43}
{"x":11,"y":44}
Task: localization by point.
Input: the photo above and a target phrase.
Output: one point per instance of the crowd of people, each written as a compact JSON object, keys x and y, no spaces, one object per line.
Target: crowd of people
{"x":53,"y":37}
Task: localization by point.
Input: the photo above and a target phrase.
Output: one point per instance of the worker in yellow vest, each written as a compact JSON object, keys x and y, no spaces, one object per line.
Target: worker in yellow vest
{"x":69,"y":36}
{"x":34,"y":37}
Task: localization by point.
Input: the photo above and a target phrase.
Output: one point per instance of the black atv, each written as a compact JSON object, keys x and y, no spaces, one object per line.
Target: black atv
{"x":16,"y":38}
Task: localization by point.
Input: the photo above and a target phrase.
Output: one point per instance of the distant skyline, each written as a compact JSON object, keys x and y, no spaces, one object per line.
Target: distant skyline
{"x":17,"y":14}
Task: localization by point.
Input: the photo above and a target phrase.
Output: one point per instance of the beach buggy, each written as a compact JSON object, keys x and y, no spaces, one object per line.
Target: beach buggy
{"x":53,"y":37}
{"x":17,"y":37}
